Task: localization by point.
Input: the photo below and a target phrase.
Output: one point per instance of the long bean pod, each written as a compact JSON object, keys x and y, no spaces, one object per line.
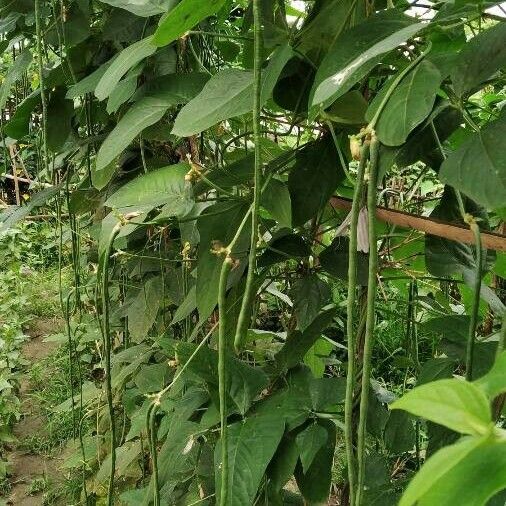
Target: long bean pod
{"x":370,"y":318}
{"x":352,"y":287}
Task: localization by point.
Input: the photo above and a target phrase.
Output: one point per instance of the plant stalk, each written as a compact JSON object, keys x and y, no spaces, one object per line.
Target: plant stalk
{"x":38,"y":32}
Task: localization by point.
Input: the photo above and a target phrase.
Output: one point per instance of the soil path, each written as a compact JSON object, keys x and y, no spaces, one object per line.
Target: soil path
{"x":27,"y":467}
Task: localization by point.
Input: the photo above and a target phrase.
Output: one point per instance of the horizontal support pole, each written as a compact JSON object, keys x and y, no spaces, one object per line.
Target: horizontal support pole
{"x":452,"y":231}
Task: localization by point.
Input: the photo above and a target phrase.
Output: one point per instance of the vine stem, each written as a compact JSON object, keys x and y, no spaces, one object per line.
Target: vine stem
{"x":473,"y":323}
{"x":352,"y":286}
{"x":245,"y":312}
{"x":370,"y":315}
{"x":38,"y":32}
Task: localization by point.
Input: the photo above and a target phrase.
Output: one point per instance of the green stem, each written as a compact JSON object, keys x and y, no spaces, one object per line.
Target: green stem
{"x":222,"y":377}
{"x":38,"y":31}
{"x":370,"y":318}
{"x":352,"y":286}
{"x":473,"y":323}
{"x":245,"y":312}
{"x":339,"y":151}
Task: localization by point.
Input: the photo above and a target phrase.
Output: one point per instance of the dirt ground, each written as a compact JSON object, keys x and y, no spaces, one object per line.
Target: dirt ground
{"x":25,"y":466}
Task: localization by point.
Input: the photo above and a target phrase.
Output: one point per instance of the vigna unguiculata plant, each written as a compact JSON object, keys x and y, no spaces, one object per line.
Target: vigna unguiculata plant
{"x":283,"y":224}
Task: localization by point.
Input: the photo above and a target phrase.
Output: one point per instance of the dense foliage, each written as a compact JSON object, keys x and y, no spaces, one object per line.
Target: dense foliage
{"x":285,"y":221}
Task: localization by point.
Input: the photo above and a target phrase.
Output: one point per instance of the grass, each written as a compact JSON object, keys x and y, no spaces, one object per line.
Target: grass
{"x":49,"y":380}
{"x":42,"y":292}
{"x":37,"y":485}
{"x":67,"y":493}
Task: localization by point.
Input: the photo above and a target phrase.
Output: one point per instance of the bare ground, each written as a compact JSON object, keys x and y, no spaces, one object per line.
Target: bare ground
{"x":25,"y":467}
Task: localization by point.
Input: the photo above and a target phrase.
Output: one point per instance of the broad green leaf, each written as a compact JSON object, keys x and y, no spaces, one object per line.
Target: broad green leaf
{"x":478,"y":167}
{"x":101,"y":178}
{"x":188,"y":305}
{"x":276,"y":199}
{"x":19,"y":124}
{"x":89,"y":83}
{"x":142,"y":312}
{"x":228,"y":94}
{"x":176,"y":89}
{"x":327,"y":392}
{"x":456,"y":404}
{"x":325,"y":22}
{"x":271,"y":73}
{"x":298,"y":343}
{"x":59,"y":117}
{"x":436,"y":368}
{"x":421,"y":144}
{"x":244,"y":382}
{"x":14,"y":214}
{"x":8,"y":23}
{"x":177,"y":457}
{"x":183,"y":17}
{"x":14,"y":73}
{"x":334,"y":260}
{"x":480,"y":58}
{"x":283,"y":463}
{"x":494,"y":382}
{"x":444,"y":479}
{"x":283,"y":248}
{"x":316,"y":356}
{"x":89,"y":393}
{"x":161,"y":186}
{"x":153,"y":377}
{"x":314,"y":483}
{"x":124,"y":90}
{"x":127,"y":59}
{"x":445,"y":257}
{"x":125,"y":455}
{"x":261,"y":432}
{"x":410,"y":103}
{"x":73,"y":30}
{"x":309,"y":295}
{"x":144,"y":8}
{"x":349,"y":109}
{"x":357,"y":51}
{"x":313,"y":179}
{"x":309,"y":442}
{"x":399,"y":435}
{"x":217,"y":223}
{"x":122,"y":26}
{"x":292,"y":403}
